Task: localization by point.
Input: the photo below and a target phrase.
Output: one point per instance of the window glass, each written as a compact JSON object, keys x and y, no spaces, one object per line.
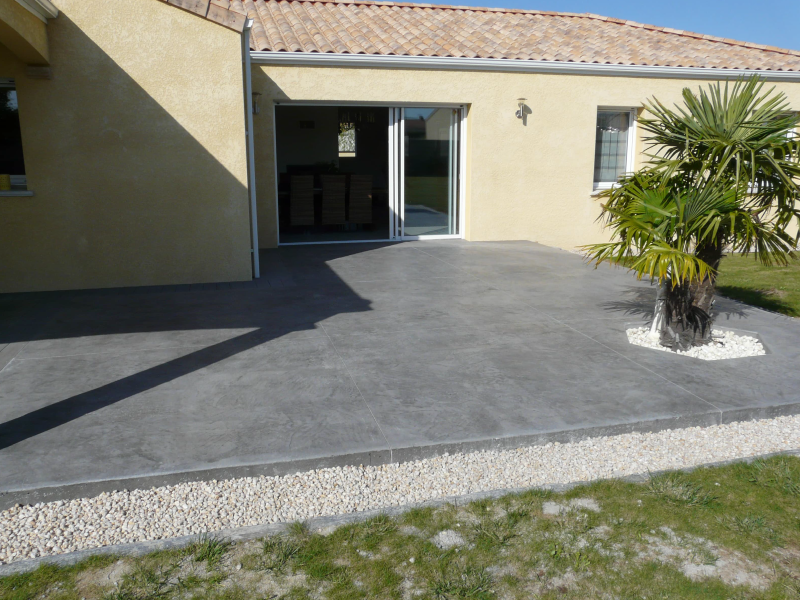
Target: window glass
{"x":611,"y":145}
{"x":430,"y":148}
{"x":333,"y":173}
{"x":12,"y":165}
{"x":347,"y":139}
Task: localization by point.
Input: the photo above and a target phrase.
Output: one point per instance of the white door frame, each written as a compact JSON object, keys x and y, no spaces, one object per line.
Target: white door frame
{"x":457,"y":171}
{"x":396,"y":167}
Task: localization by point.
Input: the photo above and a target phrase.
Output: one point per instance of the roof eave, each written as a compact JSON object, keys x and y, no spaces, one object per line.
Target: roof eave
{"x":315,"y":59}
{"x":44,"y":9}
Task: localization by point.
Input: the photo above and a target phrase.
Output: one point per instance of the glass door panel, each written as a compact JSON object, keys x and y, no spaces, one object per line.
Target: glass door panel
{"x":334,"y":169}
{"x":429,"y":172}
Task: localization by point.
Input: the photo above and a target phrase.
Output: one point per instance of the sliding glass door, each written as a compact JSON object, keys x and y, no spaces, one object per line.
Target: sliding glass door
{"x":343,"y":176}
{"x":332,"y":173}
{"x":426,"y":165}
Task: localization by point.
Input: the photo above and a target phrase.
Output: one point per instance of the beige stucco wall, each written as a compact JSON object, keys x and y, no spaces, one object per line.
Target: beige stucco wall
{"x":135,"y":151}
{"x":23,"y":33}
{"x":529,"y":182}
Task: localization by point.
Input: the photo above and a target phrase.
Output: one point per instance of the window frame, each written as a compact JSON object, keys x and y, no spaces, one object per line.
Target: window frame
{"x":630,"y":155}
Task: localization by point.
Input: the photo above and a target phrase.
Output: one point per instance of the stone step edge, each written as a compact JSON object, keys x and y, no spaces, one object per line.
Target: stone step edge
{"x":381,"y":456}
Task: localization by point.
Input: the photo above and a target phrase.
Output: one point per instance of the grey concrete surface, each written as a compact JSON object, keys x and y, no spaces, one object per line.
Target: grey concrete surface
{"x":352,"y":354}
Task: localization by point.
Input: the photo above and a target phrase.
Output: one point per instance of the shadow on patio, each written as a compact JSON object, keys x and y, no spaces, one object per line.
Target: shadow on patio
{"x":114,"y":322}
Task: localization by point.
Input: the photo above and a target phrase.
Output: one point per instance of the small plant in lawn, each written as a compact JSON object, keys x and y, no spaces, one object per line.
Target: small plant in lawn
{"x":580,"y":562}
{"x":777,"y":473}
{"x":470,"y":582}
{"x":298,"y":529}
{"x":479,"y":508}
{"x":278,"y":552}
{"x":379,"y":526}
{"x":148,"y":580}
{"x":209,"y":548}
{"x":677,"y":489}
{"x":488,"y":533}
{"x":556,"y":551}
{"x":750,"y":525}
{"x":517,"y":515}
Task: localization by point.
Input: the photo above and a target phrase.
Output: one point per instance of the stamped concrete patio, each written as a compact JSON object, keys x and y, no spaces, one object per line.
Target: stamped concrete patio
{"x":357,"y":354}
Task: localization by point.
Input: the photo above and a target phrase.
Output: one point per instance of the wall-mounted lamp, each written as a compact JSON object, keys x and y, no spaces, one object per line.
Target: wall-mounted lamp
{"x":256,"y":107}
{"x":521,"y":108}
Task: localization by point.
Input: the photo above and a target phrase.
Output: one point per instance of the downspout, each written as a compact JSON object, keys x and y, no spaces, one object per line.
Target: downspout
{"x":251,"y":154}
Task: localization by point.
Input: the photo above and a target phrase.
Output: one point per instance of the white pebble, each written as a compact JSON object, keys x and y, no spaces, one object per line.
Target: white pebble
{"x":724,"y":344}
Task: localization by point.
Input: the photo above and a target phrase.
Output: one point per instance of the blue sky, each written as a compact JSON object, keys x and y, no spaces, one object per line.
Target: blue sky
{"x":773,"y":22}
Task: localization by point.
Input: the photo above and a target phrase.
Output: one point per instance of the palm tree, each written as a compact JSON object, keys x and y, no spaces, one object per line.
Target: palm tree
{"x":722,"y":175}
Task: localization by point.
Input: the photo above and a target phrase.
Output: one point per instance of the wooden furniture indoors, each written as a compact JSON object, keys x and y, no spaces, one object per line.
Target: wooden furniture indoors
{"x":360,"y":199}
{"x":301,"y":200}
{"x":333,"y":189}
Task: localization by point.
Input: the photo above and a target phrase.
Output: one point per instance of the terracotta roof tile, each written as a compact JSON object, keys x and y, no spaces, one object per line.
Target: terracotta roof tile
{"x":404,"y":28}
{"x":229,"y":13}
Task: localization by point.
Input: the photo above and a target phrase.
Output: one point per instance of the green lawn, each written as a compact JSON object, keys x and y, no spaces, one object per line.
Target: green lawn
{"x":773,"y":288}
{"x":722,"y":533}
{"x":427,"y":191}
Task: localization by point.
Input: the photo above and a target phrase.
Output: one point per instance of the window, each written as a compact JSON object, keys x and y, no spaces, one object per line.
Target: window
{"x":347,"y":140}
{"x":12,"y":165}
{"x":614,"y":146}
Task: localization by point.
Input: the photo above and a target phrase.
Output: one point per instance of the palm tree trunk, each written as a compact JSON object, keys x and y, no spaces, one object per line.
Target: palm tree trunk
{"x":659,"y":317}
{"x":675,"y":332}
{"x":703,"y":292}
{"x":687,"y":317}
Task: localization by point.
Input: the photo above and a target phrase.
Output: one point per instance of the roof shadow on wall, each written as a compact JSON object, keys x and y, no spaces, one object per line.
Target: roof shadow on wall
{"x":117,"y":140}
{"x":132,"y":196}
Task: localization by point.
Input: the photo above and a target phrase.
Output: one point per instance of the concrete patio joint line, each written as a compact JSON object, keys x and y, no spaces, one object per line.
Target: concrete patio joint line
{"x":358,"y":389}
{"x":679,"y":386}
{"x":549,"y":316}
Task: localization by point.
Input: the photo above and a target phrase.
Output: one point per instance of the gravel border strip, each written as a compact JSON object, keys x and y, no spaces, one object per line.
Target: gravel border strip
{"x":241,"y":534}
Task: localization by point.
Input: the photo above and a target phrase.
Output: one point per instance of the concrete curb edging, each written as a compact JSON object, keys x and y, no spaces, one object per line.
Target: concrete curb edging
{"x":251,"y":532}
{"x":397,"y":455}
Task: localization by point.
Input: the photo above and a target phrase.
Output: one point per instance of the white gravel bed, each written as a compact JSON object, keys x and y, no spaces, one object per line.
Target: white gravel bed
{"x":724,"y":344}
{"x":190,"y":508}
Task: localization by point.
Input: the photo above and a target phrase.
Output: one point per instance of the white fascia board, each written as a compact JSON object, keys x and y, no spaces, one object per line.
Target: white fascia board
{"x":316,"y":59}
{"x":44,"y":9}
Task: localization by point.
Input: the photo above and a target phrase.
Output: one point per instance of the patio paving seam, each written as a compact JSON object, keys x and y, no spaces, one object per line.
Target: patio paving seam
{"x":521,"y":299}
{"x":9,"y":353}
{"x":641,"y":365}
{"x":358,"y":389}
